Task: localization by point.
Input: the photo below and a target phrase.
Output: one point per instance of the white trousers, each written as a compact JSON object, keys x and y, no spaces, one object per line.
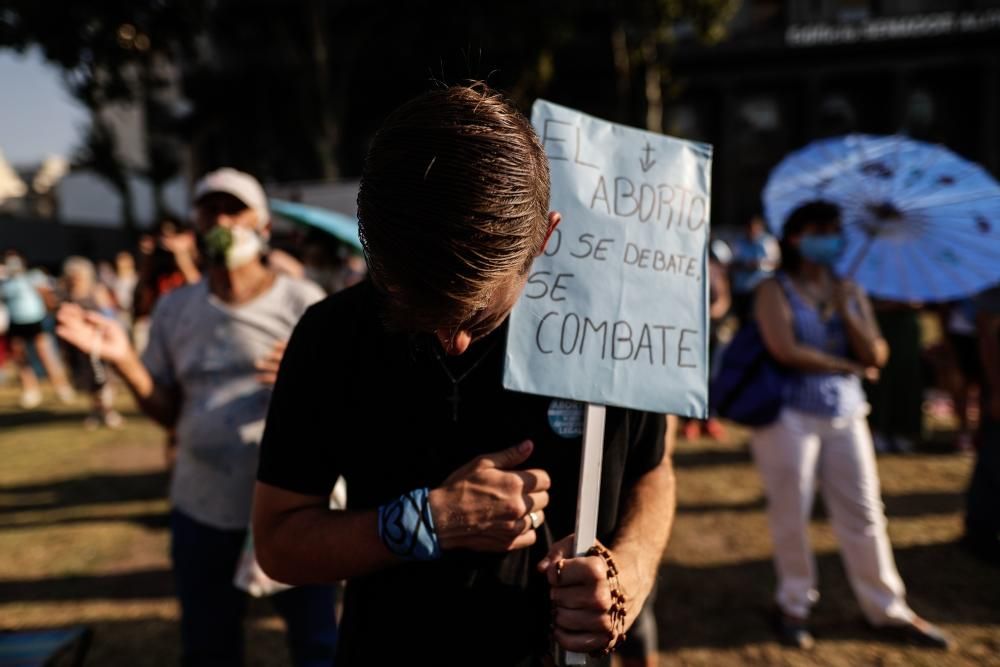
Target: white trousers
{"x":792,"y":455}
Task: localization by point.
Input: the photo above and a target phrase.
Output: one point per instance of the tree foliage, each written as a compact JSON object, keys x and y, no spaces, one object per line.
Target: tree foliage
{"x":111,"y":52}
{"x":295,"y":90}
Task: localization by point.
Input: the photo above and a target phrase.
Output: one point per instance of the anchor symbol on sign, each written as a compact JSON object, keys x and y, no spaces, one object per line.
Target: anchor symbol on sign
{"x":644,"y":161}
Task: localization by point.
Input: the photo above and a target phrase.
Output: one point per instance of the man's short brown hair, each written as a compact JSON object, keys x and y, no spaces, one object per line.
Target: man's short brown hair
{"x":454,"y":200}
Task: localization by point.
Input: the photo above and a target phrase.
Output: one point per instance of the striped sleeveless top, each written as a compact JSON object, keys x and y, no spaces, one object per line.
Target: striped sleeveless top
{"x":819,"y":392}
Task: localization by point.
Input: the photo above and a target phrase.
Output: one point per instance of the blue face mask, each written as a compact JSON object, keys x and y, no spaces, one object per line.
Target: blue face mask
{"x":823,"y":249}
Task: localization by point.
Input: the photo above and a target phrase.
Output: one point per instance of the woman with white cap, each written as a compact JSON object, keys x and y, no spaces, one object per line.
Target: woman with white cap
{"x":207,"y":371}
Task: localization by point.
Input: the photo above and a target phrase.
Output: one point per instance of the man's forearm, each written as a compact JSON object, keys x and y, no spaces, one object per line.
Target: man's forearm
{"x":645,"y":527}
{"x":318,"y":545}
{"x":158,"y":403}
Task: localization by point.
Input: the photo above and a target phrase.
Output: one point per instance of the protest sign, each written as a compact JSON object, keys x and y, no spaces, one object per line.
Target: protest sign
{"x":616,"y":310}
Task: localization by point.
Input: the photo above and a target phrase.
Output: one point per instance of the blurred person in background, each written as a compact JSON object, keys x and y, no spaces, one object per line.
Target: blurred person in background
{"x":982,"y":517}
{"x":4,"y":325}
{"x":122,"y":285}
{"x":207,"y":371}
{"x":824,"y":332}
{"x":90,"y":373}
{"x":168,"y":260}
{"x":105,"y":273}
{"x":4,"y":344}
{"x":353,"y":270}
{"x":897,"y":398}
{"x":25,"y":297}
{"x":965,"y":375}
{"x":720,"y":302}
{"x":284,"y":262}
{"x":756,"y":255}
{"x":329,"y":263}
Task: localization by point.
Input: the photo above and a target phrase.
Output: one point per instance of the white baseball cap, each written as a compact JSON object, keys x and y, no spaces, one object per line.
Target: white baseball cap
{"x":241,"y":185}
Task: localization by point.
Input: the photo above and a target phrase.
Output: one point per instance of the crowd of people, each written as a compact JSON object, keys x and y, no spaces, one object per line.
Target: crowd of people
{"x":461,"y":495}
{"x":32,"y":295}
{"x":126,"y":289}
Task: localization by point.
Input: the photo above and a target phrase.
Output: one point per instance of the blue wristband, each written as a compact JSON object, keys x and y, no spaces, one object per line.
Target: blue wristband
{"x":406,"y":527}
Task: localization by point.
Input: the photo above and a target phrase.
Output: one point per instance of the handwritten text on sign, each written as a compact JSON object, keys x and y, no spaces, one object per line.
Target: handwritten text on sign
{"x":615,"y":312}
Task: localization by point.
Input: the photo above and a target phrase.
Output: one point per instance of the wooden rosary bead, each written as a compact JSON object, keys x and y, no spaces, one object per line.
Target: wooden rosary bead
{"x":617,"y":610}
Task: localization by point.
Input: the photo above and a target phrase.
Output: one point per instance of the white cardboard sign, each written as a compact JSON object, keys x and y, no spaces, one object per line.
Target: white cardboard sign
{"x":616,"y":310}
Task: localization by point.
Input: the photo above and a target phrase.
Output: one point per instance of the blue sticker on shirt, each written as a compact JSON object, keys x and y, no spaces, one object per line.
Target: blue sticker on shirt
{"x":566,"y":418}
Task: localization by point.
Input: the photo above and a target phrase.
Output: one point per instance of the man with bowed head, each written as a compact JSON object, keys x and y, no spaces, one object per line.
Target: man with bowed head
{"x":456,"y":542}
{"x":207,"y":371}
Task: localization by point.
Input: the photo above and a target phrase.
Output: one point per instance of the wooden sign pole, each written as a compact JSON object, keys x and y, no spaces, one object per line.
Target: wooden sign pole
{"x":589,"y":495}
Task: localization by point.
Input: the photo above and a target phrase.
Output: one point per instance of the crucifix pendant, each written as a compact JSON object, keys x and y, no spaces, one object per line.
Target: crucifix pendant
{"x":453,"y":399}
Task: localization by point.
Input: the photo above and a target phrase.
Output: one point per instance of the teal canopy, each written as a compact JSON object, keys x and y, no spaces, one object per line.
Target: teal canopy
{"x":343,"y":227}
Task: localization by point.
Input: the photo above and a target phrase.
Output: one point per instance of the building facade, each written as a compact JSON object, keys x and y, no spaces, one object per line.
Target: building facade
{"x":791,"y":72}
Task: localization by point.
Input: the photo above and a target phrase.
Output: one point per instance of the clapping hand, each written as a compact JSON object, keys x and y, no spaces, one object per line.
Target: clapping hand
{"x":93,"y":333}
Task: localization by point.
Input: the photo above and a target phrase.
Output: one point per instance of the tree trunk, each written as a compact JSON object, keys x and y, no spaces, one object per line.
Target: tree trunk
{"x":128,"y":208}
{"x":654,"y":85}
{"x":623,"y":72}
{"x":533,"y":80}
{"x":159,"y":203}
{"x":327,"y":141}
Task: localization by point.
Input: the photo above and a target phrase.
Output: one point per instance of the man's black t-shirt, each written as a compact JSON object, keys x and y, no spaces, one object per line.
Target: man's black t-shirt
{"x":355,"y":400}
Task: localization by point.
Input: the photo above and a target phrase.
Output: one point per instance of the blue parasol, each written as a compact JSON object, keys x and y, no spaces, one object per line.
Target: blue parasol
{"x":922,"y":224}
{"x":338,"y":225}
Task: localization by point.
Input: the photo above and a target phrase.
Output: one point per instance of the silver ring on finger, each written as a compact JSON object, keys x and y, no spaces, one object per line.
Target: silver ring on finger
{"x":536,"y":521}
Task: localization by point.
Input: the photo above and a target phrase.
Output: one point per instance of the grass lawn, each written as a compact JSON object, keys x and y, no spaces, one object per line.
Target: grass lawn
{"x":83,"y":533}
{"x":84,"y":540}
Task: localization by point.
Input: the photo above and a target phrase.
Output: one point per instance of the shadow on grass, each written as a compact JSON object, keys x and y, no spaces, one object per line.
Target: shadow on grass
{"x":147,"y":520}
{"x":729,"y":606}
{"x":899,"y":505}
{"x":920,"y":504}
{"x":88,"y":490}
{"x":35,"y":417}
{"x":138,"y":585}
{"x":127,"y":586}
{"x":704,"y":456}
{"x":755,"y":505}
{"x":721,"y":455}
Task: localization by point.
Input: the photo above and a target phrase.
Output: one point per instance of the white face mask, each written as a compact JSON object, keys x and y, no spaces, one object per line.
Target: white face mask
{"x":247,"y":246}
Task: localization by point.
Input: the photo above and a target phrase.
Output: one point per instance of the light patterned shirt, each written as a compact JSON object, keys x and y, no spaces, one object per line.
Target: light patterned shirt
{"x":207,"y":349}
